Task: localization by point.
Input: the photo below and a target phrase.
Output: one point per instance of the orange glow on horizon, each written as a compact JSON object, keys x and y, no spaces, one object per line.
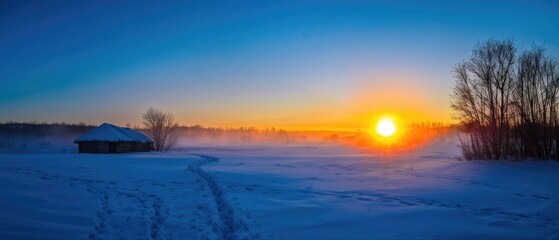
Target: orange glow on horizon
{"x":406,"y":140}
{"x":365,"y":95}
{"x":391,"y":134}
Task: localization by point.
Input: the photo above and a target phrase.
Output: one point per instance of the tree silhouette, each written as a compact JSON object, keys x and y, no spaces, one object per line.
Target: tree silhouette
{"x":162,"y":128}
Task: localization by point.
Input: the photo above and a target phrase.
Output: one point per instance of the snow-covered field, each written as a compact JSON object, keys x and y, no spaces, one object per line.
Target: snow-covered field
{"x":277,"y":192}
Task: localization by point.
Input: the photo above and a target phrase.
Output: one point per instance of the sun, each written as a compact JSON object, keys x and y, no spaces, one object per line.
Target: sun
{"x":386,"y":127}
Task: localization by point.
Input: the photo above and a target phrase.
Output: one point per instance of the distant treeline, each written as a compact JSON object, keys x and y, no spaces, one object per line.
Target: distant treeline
{"x":507,"y":102}
{"x":430,"y":125}
{"x":33,"y":134}
{"x":29,"y":134}
{"x":240,"y":135}
{"x":13,"y":129}
{"x":25,"y":134}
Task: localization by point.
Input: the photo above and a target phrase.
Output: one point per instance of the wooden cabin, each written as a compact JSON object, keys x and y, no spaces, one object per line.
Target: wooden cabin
{"x":108,"y":138}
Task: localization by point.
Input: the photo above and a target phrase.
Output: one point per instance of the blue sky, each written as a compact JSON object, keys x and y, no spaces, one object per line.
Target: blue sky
{"x":300,"y":64}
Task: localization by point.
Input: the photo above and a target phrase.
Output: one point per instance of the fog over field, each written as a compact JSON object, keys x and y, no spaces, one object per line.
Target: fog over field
{"x":59,"y":137}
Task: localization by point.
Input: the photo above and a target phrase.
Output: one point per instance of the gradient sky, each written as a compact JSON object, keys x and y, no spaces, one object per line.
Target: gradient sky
{"x":296,"y":65}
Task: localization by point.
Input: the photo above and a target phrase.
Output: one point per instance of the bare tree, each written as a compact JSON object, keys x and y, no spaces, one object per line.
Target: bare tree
{"x":507,"y":105}
{"x":162,"y":128}
{"x":481,"y":98}
{"x":536,"y":92}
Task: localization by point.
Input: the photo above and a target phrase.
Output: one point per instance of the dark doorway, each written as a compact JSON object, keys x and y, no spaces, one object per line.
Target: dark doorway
{"x":112,"y":147}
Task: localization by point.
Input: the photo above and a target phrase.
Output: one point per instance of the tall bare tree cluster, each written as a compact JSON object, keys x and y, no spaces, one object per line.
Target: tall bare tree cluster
{"x":161,"y":127}
{"x":507,"y":102}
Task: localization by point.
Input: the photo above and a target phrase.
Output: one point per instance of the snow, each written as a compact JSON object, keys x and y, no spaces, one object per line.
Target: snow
{"x":111,"y":133}
{"x":277,"y":192}
{"x":136,"y":135}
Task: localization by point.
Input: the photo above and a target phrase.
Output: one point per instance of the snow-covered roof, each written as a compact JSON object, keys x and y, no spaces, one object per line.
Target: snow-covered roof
{"x":137,"y":135}
{"x":107,"y":132}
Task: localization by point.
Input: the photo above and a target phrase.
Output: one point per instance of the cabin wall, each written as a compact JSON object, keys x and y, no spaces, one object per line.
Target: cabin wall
{"x":123,"y":147}
{"x":103,"y":147}
{"x":93,"y":147}
{"x":113,"y":147}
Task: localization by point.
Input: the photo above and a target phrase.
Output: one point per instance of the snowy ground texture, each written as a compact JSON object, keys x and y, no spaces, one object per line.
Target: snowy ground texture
{"x":296,"y":192}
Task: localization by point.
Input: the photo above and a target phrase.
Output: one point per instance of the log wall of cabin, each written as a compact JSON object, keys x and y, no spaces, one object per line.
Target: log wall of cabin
{"x":113,"y":147}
